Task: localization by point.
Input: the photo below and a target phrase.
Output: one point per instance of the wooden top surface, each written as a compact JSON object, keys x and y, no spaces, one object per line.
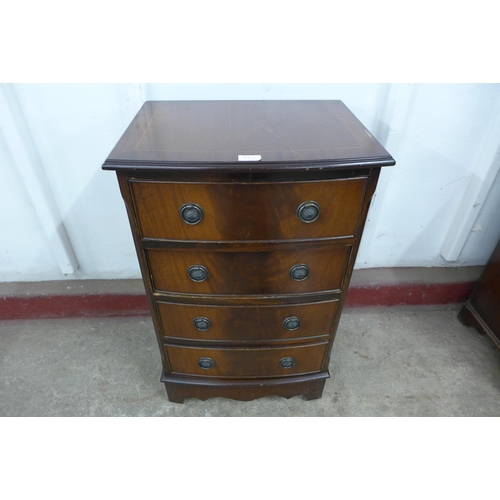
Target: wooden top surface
{"x":284,"y":134}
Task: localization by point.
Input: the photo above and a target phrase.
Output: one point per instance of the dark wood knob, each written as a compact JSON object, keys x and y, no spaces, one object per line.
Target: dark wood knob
{"x":202,"y":323}
{"x":299,"y":272}
{"x":198,"y":273}
{"x":291,"y":323}
{"x":287,"y":362}
{"x":191,"y":213}
{"x":308,"y":211}
{"x":206,"y":363}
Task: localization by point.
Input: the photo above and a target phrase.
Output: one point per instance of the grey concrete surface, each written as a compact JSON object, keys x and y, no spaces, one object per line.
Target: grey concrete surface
{"x":417,"y":361}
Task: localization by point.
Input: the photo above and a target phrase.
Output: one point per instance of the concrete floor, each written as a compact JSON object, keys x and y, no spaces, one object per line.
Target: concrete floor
{"x":417,"y":361}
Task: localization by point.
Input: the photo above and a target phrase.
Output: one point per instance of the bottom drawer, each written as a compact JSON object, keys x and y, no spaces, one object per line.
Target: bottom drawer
{"x":246,"y":362}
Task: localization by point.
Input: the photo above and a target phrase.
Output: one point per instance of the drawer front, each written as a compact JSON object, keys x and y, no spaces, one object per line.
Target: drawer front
{"x":201,"y":322}
{"x":248,"y":211}
{"x":246,"y":362}
{"x":248,"y":273}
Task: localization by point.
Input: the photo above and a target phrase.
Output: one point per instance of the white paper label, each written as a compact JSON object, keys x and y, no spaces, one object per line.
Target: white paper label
{"x":249,"y":157}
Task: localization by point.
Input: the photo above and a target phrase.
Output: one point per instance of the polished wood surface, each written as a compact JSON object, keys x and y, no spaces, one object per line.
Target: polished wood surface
{"x":248,"y":211}
{"x":245,"y":323}
{"x":248,"y":273}
{"x":482,"y":309}
{"x":203,"y":134}
{"x":246,"y":362}
{"x":179,"y":388}
{"x":177,"y":153}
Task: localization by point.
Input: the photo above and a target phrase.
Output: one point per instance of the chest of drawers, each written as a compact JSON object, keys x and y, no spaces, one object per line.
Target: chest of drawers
{"x":246,"y":217}
{"x":481,"y":309}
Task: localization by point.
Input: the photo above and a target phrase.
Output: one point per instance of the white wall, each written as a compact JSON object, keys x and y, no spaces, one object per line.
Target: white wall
{"x":437,"y":133}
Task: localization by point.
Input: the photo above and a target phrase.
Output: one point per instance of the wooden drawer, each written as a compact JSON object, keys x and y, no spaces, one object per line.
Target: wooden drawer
{"x":246,"y":362}
{"x":244,"y":323}
{"x":247,"y":273}
{"x":248,"y":211}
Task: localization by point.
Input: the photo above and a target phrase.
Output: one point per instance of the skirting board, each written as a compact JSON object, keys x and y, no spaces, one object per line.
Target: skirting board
{"x":107,"y":298}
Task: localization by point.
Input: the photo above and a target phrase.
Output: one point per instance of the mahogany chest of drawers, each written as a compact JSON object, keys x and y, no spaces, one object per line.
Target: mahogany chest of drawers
{"x":246,"y":217}
{"x":482,"y":309}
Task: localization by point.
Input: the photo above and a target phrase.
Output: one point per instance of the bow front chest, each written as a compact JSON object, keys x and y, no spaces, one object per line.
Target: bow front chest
{"x":246,"y":217}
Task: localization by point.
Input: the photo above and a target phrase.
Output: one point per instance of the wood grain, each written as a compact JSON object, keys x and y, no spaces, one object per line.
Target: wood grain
{"x":245,"y":323}
{"x":248,"y":211}
{"x":198,"y":135}
{"x":246,"y":362}
{"x":177,"y":152}
{"x":248,"y":273}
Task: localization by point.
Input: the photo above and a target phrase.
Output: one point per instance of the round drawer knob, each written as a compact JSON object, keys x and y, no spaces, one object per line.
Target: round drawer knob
{"x":191,"y":213}
{"x":198,"y":273}
{"x":308,"y":211}
{"x":291,"y":323}
{"x":299,"y":272}
{"x":287,"y":362}
{"x":206,"y":363}
{"x":202,"y":323}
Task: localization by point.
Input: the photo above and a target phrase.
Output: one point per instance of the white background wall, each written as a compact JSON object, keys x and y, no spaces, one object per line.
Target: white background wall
{"x":55,"y":137}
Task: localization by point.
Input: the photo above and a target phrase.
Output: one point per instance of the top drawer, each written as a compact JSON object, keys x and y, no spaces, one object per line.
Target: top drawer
{"x":232,"y":211}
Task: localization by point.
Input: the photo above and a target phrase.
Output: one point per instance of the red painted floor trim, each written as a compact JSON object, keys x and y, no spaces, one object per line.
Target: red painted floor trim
{"x":70,"y":306}
{"x":410,"y":294}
